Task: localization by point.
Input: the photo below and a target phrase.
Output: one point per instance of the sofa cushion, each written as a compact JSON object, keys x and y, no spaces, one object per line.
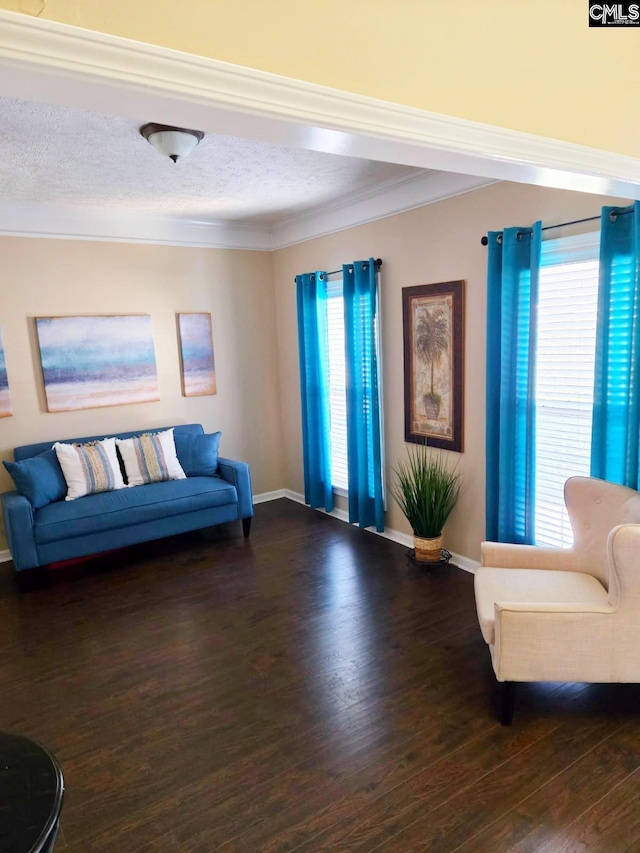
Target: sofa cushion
{"x":89,"y":468}
{"x":198,"y":454}
{"x":150,"y":458}
{"x":39,"y":479}
{"x":130,"y":506}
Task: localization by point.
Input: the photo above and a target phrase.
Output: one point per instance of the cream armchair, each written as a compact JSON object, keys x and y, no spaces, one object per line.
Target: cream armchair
{"x":550,"y":614}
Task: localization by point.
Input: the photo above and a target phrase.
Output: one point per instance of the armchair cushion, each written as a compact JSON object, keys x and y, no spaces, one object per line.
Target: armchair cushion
{"x":532,"y":586}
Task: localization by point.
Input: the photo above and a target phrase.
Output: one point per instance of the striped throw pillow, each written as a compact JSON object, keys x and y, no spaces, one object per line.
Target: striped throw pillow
{"x":150,"y":458}
{"x":89,"y":468}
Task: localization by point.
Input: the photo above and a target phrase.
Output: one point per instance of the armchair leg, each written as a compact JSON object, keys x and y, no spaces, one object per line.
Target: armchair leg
{"x":507,"y":701}
{"x":246,"y":527}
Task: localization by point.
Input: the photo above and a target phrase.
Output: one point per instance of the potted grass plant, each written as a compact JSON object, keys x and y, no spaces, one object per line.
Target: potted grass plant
{"x":426,"y":489}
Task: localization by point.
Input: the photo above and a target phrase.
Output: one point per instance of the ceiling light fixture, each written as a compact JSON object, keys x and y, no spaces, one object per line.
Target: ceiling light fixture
{"x":174,"y":142}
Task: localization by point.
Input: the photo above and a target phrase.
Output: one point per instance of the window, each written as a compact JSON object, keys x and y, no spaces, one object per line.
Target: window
{"x":567,"y":312}
{"x":337,"y":386}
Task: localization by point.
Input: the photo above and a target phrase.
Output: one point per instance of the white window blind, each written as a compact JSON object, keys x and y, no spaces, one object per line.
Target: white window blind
{"x":567,"y":312}
{"x":337,"y":385}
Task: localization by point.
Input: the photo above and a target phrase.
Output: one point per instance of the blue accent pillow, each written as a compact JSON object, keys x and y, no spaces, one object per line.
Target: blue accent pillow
{"x":197,"y":454}
{"x":39,"y":478}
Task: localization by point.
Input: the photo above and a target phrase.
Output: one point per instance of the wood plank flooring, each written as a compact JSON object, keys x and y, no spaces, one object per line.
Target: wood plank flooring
{"x":302,"y":691}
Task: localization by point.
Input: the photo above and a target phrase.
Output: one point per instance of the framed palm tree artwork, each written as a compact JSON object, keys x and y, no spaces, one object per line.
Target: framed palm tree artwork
{"x":433,"y":321}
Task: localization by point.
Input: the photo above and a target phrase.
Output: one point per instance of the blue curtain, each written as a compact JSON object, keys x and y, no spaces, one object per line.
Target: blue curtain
{"x":364,"y":444}
{"x":616,"y":406}
{"x":513,"y":283}
{"x":314,"y":388}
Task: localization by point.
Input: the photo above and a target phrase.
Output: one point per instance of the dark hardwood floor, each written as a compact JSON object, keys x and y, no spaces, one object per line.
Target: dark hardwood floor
{"x":303,"y":690}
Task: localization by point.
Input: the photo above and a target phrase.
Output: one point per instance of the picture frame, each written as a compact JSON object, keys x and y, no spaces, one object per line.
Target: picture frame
{"x":433,"y":331}
{"x":5,"y":398}
{"x":92,"y":361}
{"x":197,"y":358}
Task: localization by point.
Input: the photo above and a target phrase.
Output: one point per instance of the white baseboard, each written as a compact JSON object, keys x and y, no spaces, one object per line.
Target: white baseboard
{"x":465,"y":563}
{"x":389,"y":533}
{"x":263,"y":497}
{"x":406,"y":539}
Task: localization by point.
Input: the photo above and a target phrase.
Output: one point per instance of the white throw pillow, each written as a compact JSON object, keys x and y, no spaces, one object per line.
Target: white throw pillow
{"x":89,"y":468}
{"x":150,"y":458}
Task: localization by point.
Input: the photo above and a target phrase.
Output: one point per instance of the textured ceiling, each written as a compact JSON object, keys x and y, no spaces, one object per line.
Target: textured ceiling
{"x":59,"y":155}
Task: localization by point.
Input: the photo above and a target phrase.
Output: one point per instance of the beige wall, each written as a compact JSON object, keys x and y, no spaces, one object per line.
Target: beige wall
{"x":57,"y":277}
{"x":251,"y":296}
{"x":440,"y":242}
{"x":531,"y":65}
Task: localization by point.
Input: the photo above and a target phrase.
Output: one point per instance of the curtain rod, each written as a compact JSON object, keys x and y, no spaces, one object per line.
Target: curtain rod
{"x":378,"y":263}
{"x":485,"y":239}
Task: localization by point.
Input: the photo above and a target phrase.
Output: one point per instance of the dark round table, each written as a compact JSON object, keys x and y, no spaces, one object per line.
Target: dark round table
{"x":31,"y":790}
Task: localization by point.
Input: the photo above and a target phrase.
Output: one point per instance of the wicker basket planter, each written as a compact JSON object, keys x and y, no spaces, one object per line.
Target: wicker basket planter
{"x":427,"y":550}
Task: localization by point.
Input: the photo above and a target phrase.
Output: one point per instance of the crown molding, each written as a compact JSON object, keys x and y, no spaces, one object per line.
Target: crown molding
{"x":76,"y":223}
{"x":394,"y":197}
{"x":67,"y":222}
{"x":54,"y":62}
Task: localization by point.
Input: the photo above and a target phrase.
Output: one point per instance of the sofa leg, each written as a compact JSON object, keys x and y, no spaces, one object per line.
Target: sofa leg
{"x":507,"y":701}
{"x":28,"y":580}
{"x":246,"y":527}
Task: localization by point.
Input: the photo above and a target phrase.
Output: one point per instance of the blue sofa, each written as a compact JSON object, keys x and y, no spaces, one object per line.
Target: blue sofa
{"x":66,"y":529}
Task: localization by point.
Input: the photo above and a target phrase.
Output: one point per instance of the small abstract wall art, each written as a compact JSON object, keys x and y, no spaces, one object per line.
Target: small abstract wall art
{"x":196,"y":354}
{"x":90,"y":362}
{"x":433,"y":320}
{"x":5,"y":399}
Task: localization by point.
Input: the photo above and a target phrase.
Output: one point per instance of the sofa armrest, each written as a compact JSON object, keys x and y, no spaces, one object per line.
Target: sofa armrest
{"x":500,"y":555}
{"x":18,"y":525}
{"x":239,"y":475}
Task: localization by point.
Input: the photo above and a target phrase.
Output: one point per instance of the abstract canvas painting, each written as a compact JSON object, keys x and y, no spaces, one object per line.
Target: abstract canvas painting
{"x":5,"y":399}
{"x":433,"y":316}
{"x":89,"y":362}
{"x":196,"y":352}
